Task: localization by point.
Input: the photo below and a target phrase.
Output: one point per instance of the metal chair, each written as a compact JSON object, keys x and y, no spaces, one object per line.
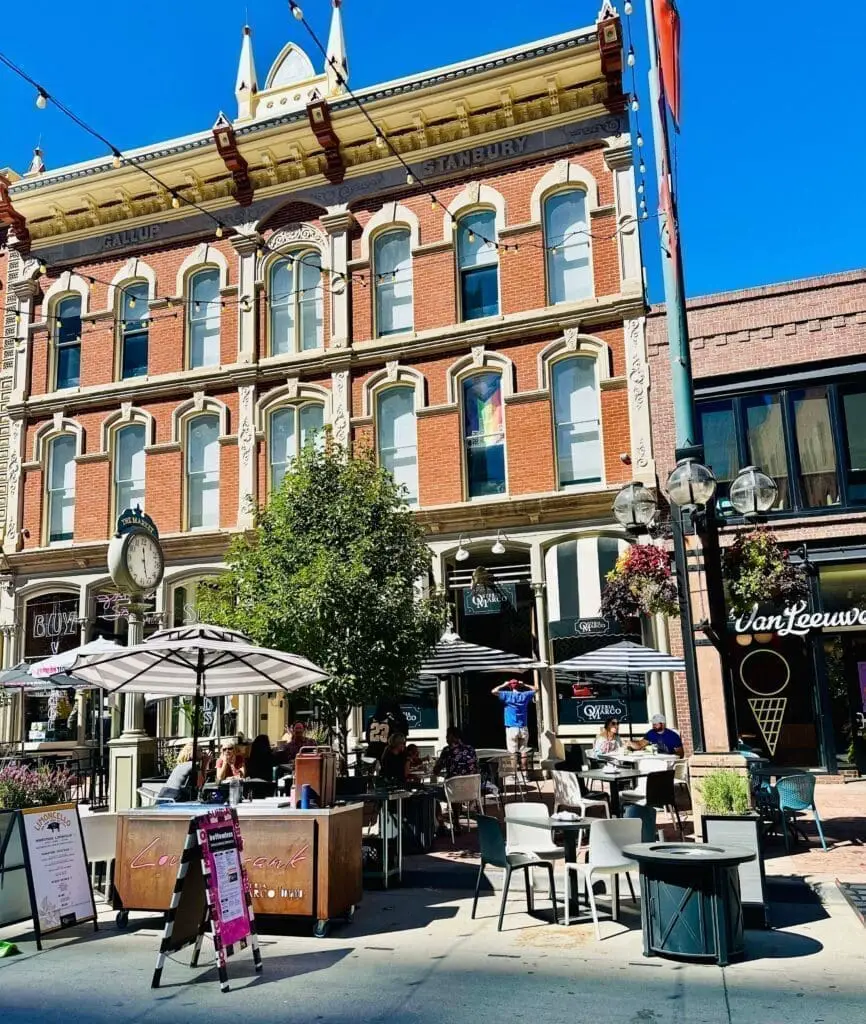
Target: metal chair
{"x":797,"y":793}
{"x":568,"y":791}
{"x":494,"y":853}
{"x":606,"y":860}
{"x":462,"y":789}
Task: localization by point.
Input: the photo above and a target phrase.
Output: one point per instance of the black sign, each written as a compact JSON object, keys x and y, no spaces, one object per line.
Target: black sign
{"x":134,"y":519}
{"x":489,"y":600}
{"x":596,"y":711}
{"x":579,"y":627}
{"x":412,"y":714}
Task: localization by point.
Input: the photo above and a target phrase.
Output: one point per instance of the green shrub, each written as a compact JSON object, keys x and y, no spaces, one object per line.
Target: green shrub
{"x":725,"y":792}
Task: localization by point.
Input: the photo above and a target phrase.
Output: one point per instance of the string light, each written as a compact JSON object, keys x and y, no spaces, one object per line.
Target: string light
{"x":642,"y":167}
{"x":41,"y":99}
{"x":627,"y":7}
{"x":410,"y":178}
{"x":630,"y":58}
{"x":433,"y":202}
{"x":175,"y":202}
{"x":471,"y":237}
{"x":43,"y":269}
{"x":380,"y":142}
{"x":639,"y":139}
{"x":132,"y":302}
{"x":635,"y":104}
{"x":640,"y":189}
{"x":116,"y":160}
{"x":219,"y":231}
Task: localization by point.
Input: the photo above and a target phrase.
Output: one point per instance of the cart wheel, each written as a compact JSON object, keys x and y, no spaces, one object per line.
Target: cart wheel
{"x":350,"y":914}
{"x":321,"y":929}
{"x":122,"y":919}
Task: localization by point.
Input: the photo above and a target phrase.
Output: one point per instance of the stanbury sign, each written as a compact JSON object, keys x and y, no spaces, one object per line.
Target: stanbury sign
{"x":795,"y":620}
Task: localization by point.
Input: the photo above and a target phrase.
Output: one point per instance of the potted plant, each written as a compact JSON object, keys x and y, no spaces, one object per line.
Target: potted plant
{"x":22,"y":787}
{"x":641,"y":583}
{"x":758,"y":572}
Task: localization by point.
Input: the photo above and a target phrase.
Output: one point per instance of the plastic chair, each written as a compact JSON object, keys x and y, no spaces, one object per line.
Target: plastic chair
{"x":530,"y":838}
{"x":494,"y":853}
{"x":797,"y":793}
{"x":658,"y":792}
{"x":462,"y":789}
{"x":568,"y":792}
{"x":100,"y":844}
{"x":606,"y":860}
{"x":647,"y":818}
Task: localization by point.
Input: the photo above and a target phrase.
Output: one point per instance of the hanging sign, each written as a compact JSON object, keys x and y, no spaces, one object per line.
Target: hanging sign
{"x":595,"y":626}
{"x":489,"y":600}
{"x":594,"y":711}
{"x":132,"y":520}
{"x":795,"y":620}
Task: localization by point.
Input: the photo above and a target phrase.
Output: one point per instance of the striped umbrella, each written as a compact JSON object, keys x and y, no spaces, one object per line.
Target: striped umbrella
{"x":626,"y":656}
{"x":453,"y":656}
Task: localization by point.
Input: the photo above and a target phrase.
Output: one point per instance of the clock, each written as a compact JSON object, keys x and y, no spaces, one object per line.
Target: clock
{"x":136,"y":562}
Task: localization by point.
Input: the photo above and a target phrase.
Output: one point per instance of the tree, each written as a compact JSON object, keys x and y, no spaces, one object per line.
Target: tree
{"x":331,"y":572}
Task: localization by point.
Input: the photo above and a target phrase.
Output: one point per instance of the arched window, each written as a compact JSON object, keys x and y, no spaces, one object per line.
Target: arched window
{"x":566,"y":235}
{"x":204,"y":318}
{"x":392,"y":267}
{"x":134,"y":312}
{"x":67,"y":338}
{"x":129,"y":468}
{"x":202,"y":472}
{"x":295,"y":295}
{"x":576,"y":415}
{"x":484,"y":435}
{"x":291,"y":428}
{"x":396,"y":437}
{"x":61,"y":488}
{"x":478,"y":265}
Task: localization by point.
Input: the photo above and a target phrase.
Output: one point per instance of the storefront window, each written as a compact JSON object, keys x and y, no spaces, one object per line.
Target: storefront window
{"x":719,"y":434}
{"x":766,"y":441}
{"x":814,"y":435}
{"x":50,"y":627}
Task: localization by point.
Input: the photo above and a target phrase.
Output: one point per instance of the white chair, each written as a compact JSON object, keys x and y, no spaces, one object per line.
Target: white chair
{"x":567,"y":793}
{"x":465,"y":790}
{"x":530,"y":839}
{"x":100,"y":844}
{"x":606,"y":860}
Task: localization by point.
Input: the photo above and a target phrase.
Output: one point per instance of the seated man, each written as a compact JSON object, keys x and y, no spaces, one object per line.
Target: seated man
{"x":667,"y":741}
{"x":458,"y":758}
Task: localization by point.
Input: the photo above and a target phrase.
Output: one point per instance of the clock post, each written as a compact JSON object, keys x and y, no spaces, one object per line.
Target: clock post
{"x":137,"y":565}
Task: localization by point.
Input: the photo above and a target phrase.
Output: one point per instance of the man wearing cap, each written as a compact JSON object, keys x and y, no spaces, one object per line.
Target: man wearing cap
{"x":667,"y":741}
{"x":516,"y":700}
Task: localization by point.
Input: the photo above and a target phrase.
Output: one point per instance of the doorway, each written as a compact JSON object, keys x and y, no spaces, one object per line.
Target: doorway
{"x":845,"y":658}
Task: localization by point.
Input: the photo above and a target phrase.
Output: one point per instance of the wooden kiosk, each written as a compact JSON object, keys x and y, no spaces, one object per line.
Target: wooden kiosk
{"x":300,"y":863}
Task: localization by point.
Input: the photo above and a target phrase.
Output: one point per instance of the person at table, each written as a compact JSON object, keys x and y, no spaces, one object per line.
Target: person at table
{"x":260,"y":763}
{"x":516,"y":697}
{"x":178,"y":786}
{"x":608,"y":741}
{"x":293,"y":742}
{"x":414,"y":762}
{"x":387,"y":720}
{"x":394,"y":763}
{"x":666,"y":740}
{"x":230,"y":763}
{"x":457,"y":758}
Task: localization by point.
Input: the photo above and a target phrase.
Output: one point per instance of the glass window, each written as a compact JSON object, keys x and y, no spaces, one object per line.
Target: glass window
{"x":478,"y":265}
{"x":68,"y":342}
{"x":397,"y":439}
{"x":202,"y":471}
{"x":61,"y":488}
{"x":575,"y":405}
{"x":134,"y":313}
{"x":719,"y":435}
{"x":129,"y":468}
{"x":854,"y":414}
{"x":569,"y":267}
{"x":291,"y":429}
{"x":296,"y":304}
{"x":813,"y":432}
{"x":765,"y":439}
{"x":204,"y":319}
{"x":392,"y":265}
{"x":484,"y":435}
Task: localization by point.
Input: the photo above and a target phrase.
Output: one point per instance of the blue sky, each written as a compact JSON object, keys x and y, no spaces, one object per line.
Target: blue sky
{"x":770,"y":157}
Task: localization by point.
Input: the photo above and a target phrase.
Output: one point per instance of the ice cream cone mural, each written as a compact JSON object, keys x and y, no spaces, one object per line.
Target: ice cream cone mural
{"x":769,"y":712}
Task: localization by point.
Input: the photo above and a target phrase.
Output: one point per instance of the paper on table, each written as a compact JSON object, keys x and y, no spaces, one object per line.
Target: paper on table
{"x":565,"y":816}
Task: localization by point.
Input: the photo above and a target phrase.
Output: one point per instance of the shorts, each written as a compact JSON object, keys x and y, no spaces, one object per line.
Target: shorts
{"x":516,"y":738}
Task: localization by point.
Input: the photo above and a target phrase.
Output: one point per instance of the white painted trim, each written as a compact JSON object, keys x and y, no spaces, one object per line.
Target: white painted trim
{"x":292,"y":393}
{"x":55,"y":427}
{"x":135,"y":269}
{"x":564,"y":175}
{"x":572,"y":343}
{"x":204,"y":255}
{"x":199,"y":405}
{"x":393,"y":375}
{"x":475,"y":196}
{"x":291,"y":240}
{"x":392,"y":215}
{"x":479,"y":360}
{"x":125,"y":416}
{"x":67,"y":284}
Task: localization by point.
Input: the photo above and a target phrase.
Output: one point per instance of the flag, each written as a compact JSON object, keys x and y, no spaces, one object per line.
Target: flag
{"x":666,"y":207}
{"x":667,"y":20}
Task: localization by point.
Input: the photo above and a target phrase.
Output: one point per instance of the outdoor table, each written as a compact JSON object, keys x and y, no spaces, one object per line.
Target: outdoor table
{"x":390,"y":827}
{"x":570,"y":830}
{"x":622,"y":778}
{"x":300,"y":863}
{"x":690,"y":900}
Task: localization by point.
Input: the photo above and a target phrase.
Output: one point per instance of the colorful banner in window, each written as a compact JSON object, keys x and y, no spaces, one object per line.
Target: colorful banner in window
{"x":483,"y":403}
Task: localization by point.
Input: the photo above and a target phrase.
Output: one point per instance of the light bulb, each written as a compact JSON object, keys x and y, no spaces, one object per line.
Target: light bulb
{"x":498,"y":547}
{"x":432,"y":202}
{"x":640,"y":140}
{"x":453,"y":224}
{"x":630,"y":58}
{"x":198,"y":307}
{"x":132,"y":302}
{"x":116,"y":161}
{"x":297,"y":12}
{"x":471,"y":237}
{"x":410,"y":178}
{"x":642,"y":167}
{"x":635,"y":104}
{"x":640,"y":189}
{"x":43,"y":269}
{"x":219,"y":231}
{"x":553,"y":249}
{"x":627,"y":7}
{"x":41,"y":99}
{"x":643,"y":204}
{"x":175,"y":202}
{"x":644,"y":215}
{"x":380,"y":141}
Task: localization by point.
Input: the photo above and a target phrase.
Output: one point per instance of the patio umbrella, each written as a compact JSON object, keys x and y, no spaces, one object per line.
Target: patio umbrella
{"x":454,"y":656}
{"x":20,"y":677}
{"x":66,"y":659}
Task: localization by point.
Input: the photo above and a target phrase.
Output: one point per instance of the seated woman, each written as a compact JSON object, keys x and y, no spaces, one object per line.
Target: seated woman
{"x":414,"y":762}
{"x":230,"y":763}
{"x":179,"y":785}
{"x":608,"y":741}
{"x":394,"y":763}
{"x":260,"y":763}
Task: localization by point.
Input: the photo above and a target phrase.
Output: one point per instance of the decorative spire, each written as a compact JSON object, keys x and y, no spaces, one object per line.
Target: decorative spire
{"x":37,"y":164}
{"x":247,"y":84}
{"x":337,"y":63}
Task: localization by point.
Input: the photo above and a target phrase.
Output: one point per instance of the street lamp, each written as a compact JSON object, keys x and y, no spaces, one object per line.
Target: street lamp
{"x":461,"y":554}
{"x":753,"y":492}
{"x":691,"y":484}
{"x":635,"y":507}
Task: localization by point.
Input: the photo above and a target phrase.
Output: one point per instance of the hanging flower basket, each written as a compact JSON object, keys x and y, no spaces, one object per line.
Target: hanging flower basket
{"x":641,"y":583}
{"x":758,"y":572}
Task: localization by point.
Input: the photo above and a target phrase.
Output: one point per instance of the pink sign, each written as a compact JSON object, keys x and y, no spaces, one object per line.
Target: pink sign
{"x":861,"y":668}
{"x":220,"y":841}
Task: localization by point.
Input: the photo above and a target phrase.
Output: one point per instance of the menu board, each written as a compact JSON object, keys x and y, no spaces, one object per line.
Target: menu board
{"x":220,"y":843}
{"x":59,"y":879}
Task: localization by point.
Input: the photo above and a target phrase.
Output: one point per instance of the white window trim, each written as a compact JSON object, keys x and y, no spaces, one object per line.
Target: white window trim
{"x":185,"y":425}
{"x":204,"y":256}
{"x":187,"y":313}
{"x":561,"y":357}
{"x":390,"y":229}
{"x":266,"y":269}
{"x":291,"y":393}
{"x":390,"y":376}
{"x":550,"y":194}
{"x":409,"y":383}
{"x":198,"y":405}
{"x":392,"y":215}
{"x":134,"y":269}
{"x":564,"y":175}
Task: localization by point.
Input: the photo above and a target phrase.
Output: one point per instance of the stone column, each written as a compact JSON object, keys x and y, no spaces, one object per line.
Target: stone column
{"x":247,"y":461}
{"x":547,"y":687}
{"x":637,"y":369}
{"x":619,"y":159}
{"x":337,"y":222}
{"x":132,"y":754}
{"x":341,"y":409}
{"x":246,"y":243}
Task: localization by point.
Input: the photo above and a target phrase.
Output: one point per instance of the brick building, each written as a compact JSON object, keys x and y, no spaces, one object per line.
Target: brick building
{"x":780,"y":382}
{"x":479,"y":322}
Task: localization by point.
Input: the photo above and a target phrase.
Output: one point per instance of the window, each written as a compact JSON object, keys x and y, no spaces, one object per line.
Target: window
{"x":295,"y":295}
{"x":813,"y":433}
{"x":392,"y":265}
{"x":854,"y":415}
{"x":576,"y":412}
{"x":719,"y":432}
{"x":478,"y":265}
{"x":61,"y":488}
{"x":292,"y":428}
{"x":202,"y":472}
{"x":129,"y":468}
{"x":134,"y":312}
{"x":765,"y":441}
{"x":569,"y":267}
{"x":204,"y":319}
{"x":396,"y":438}
{"x":484,"y":435}
{"x":68,"y":341}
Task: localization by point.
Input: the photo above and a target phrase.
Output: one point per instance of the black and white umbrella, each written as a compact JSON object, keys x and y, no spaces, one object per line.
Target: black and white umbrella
{"x":626,"y":656}
{"x":453,"y":656}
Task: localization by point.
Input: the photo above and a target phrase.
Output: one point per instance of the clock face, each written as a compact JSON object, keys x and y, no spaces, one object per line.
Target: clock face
{"x":144,"y":561}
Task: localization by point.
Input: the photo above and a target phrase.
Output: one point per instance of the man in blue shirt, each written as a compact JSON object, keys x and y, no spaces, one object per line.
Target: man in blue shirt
{"x":667,"y":741}
{"x":516,"y":700}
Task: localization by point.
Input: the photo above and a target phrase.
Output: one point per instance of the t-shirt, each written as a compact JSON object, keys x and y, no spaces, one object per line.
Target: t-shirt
{"x":460,"y":759}
{"x":516,"y":707}
{"x":177,"y":785}
{"x":667,"y":740}
{"x":394,"y":766}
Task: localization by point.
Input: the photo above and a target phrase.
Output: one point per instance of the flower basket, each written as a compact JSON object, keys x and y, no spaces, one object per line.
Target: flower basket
{"x":641,"y":583}
{"x":758,"y":572}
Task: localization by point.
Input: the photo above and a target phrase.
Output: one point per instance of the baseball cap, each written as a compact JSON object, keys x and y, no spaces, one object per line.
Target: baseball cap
{"x":658,"y":720}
